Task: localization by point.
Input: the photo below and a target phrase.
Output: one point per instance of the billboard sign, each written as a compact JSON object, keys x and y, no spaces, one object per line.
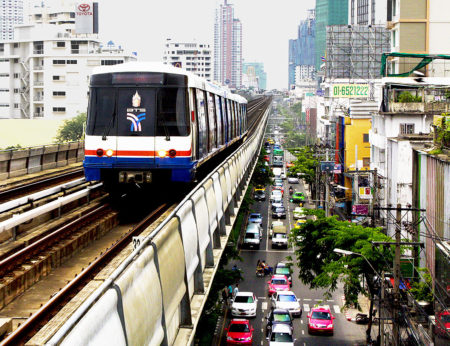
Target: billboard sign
{"x":350,"y":90}
{"x":337,"y":168}
{"x":365,"y":192}
{"x":327,"y":166}
{"x":86,"y":17}
{"x":360,"y":209}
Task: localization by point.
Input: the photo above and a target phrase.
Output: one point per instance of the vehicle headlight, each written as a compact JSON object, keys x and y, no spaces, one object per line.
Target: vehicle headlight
{"x":330,"y":326}
{"x":248,"y":338}
{"x":229,"y":338}
{"x":313,"y":325}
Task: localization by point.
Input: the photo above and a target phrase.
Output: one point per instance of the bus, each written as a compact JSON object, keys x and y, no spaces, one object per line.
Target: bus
{"x":278,"y":152}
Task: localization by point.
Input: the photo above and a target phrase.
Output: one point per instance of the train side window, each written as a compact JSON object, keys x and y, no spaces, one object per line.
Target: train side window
{"x":238,"y":110}
{"x":212,"y":121}
{"x":226,"y":123}
{"x":220,"y":127}
{"x":230,"y":121}
{"x":195,"y":144}
{"x":202,"y":128}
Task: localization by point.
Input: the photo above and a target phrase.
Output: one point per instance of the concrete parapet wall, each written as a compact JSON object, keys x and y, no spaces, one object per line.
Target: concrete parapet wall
{"x":15,"y":163}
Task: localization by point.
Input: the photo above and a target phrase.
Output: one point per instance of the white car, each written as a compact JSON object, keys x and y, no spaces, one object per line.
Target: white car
{"x":286,"y":300}
{"x":283,"y":176}
{"x":244,"y":304}
{"x":281,"y":335}
{"x":280,"y":240}
{"x":293,"y":180}
{"x":299,"y":213}
{"x":276,"y":194}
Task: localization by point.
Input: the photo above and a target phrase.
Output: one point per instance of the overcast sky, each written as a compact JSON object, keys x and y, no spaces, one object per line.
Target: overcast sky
{"x":267,"y":26}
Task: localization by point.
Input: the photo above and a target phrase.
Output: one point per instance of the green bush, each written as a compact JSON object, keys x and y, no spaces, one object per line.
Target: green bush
{"x":71,"y":130}
{"x":406,"y":97}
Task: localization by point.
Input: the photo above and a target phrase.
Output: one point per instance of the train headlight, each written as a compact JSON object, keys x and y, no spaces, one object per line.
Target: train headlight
{"x":109,"y":152}
{"x":99,"y":152}
{"x":172,"y":153}
{"x":162,"y":153}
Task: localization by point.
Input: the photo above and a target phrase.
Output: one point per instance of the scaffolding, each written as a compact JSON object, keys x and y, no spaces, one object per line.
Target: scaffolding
{"x":354,"y":52}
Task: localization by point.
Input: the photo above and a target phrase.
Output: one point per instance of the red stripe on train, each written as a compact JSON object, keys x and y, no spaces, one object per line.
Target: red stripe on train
{"x":137,"y":153}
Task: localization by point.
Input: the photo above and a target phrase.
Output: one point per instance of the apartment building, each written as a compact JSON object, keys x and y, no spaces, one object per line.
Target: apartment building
{"x":191,"y":56}
{"x":11,"y":13}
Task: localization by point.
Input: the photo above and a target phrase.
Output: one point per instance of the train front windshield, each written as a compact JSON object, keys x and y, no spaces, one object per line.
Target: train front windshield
{"x":117,"y":108}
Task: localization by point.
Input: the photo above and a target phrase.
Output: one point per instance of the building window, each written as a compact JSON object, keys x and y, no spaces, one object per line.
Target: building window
{"x":59,"y":93}
{"x":16,"y":91}
{"x":71,"y":62}
{"x":111,"y":62}
{"x":59,"y":109}
{"x":60,"y":44}
{"x":406,"y":129}
{"x":56,"y":77}
{"x":4,"y":90}
{"x":16,"y":45}
{"x":4,"y":105}
{"x":16,"y":75}
{"x":365,"y":137}
{"x":366,"y":161}
{"x":59,"y":62}
{"x":16,"y":105}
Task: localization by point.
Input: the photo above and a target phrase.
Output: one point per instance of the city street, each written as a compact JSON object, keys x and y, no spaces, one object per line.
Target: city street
{"x":345,"y":332}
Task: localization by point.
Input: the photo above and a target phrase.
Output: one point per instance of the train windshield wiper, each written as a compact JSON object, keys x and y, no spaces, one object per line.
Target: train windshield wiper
{"x":113,"y":117}
{"x":166,"y":130}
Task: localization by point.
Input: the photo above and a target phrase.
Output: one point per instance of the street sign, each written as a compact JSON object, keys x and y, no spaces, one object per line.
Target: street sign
{"x":407,"y":267}
{"x":327,"y":166}
{"x":365,"y":192}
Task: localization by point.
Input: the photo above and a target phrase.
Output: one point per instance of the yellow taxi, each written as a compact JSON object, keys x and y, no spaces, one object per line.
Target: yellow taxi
{"x":299,"y":223}
{"x":260,"y":188}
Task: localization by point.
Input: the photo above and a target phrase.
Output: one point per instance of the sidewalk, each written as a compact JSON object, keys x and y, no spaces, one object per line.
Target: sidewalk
{"x":350,"y":313}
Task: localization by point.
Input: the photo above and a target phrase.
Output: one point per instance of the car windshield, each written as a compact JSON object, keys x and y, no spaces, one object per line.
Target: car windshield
{"x":255,"y":216}
{"x":445,"y":318}
{"x":279,"y":210}
{"x":239,"y":328}
{"x":243,"y":299}
{"x":281,"y":337}
{"x":321,"y":315}
{"x":280,"y":236}
{"x":282,"y":270}
{"x":278,"y":282}
{"x":251,"y":235}
{"x":281,"y":317}
{"x":286,"y":298}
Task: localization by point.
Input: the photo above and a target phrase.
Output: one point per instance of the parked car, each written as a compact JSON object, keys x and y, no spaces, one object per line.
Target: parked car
{"x":259,"y":195}
{"x":244,"y":304}
{"x":289,"y":164}
{"x":320,"y":320}
{"x":255,"y":218}
{"x":278,"y":283}
{"x":286,"y":300}
{"x":279,"y":213}
{"x":297,"y":197}
{"x":278,"y":316}
{"x":281,"y":335}
{"x":442,"y":326}
{"x":293,"y":180}
{"x":299,"y":213}
{"x":239,"y":332}
{"x":282,"y":268}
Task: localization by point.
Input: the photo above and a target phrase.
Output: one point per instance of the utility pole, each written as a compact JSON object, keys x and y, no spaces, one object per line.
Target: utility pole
{"x":398,"y":234}
{"x":327,"y":190}
{"x":380,"y":315}
{"x":374,"y":197}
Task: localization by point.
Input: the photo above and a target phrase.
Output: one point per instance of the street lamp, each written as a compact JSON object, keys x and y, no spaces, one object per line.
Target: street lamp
{"x":348,"y":253}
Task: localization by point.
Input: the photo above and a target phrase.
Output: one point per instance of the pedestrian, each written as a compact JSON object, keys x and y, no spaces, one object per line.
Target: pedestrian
{"x":236,"y":290}
{"x":230,"y":291}
{"x":258,"y":263}
{"x":225,"y":294}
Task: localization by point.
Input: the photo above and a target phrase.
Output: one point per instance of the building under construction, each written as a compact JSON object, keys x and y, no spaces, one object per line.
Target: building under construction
{"x":354,"y":52}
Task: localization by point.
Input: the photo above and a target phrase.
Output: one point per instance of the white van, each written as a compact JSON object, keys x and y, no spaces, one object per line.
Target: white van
{"x":253,"y":235}
{"x":277,"y":172}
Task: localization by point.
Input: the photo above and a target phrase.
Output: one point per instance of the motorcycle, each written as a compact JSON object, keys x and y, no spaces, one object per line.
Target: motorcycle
{"x":291,"y":191}
{"x":362,"y":318}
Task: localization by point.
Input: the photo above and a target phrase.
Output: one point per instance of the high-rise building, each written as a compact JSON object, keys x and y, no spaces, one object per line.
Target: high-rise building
{"x":367,"y":12}
{"x":11,"y":14}
{"x":302,"y":50}
{"x":328,"y":12}
{"x":191,"y":56}
{"x":253,"y":75}
{"x":44,"y":71}
{"x":227,"y":47}
{"x":416,"y":27}
{"x":304,"y":73}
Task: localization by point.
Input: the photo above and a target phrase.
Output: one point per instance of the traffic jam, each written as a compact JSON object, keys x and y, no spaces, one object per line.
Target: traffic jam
{"x":270,"y":306}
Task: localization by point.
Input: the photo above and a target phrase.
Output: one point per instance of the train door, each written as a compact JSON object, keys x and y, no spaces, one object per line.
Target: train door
{"x":212,"y":121}
{"x":220,"y":127}
{"x":135,"y":118}
{"x":225,"y":120}
{"x":194,"y":123}
{"x":230,"y":121}
{"x":202,"y":128}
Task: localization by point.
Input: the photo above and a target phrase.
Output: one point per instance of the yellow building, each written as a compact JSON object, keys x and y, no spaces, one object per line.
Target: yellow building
{"x":356,"y":148}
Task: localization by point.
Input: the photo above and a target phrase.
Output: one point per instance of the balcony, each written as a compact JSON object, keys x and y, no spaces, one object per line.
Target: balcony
{"x":420,"y":101}
{"x":38,"y":99}
{"x":38,"y":115}
{"x":38,"y":83}
{"x":38,"y":68}
{"x":38,"y":51}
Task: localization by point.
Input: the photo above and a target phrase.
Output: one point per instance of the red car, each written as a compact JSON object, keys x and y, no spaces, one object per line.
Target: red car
{"x":278,"y":283}
{"x":289,"y":164}
{"x":320,"y":320}
{"x":239,"y":332}
{"x":443,"y":323}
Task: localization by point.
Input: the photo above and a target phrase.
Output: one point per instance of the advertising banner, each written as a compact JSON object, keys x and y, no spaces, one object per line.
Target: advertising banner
{"x":326,"y":166}
{"x":350,"y":90}
{"x":360,"y":209}
{"x":365,"y":193}
{"x":84,"y":18}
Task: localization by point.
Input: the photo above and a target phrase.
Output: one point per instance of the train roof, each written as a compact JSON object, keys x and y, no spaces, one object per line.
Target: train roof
{"x":194,"y":81}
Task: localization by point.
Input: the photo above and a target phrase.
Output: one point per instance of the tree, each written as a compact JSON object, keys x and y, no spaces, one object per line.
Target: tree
{"x":72,"y":129}
{"x":305,"y":164}
{"x":321,"y":267}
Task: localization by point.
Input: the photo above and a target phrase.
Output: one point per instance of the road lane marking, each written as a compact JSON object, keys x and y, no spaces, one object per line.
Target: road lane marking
{"x":262,"y":298}
{"x":264,"y":306}
{"x":307,"y":299}
{"x":337,"y":309}
{"x":306,"y":307}
{"x":269,"y":251}
{"x":303,"y":332}
{"x":301,"y":321}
